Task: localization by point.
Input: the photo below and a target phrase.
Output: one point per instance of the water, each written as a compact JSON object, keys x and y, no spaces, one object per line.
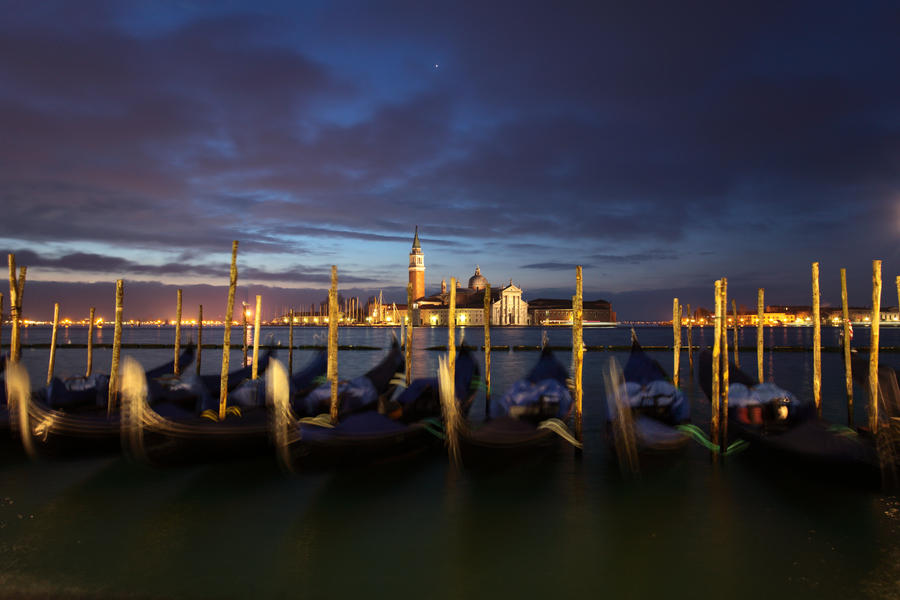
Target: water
{"x":567,"y":528}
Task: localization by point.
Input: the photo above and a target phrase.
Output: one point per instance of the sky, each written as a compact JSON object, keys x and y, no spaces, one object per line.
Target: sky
{"x":661,"y":145}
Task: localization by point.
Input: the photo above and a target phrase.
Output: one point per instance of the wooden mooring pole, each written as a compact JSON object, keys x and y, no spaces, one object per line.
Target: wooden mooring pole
{"x":409,"y":332}
{"x":333,"y":344}
{"x":451,"y":338}
{"x":226,"y":342}
{"x":760,"y":332}
{"x":20,"y":295}
{"x":13,"y":310}
{"x":873,"y":351}
{"x":90,"y":344}
{"x":690,"y":340}
{"x":256,"y":319}
{"x":53,"y":343}
{"x":487,"y":351}
{"x":1,"y":321}
{"x":716,"y":369}
{"x":245,"y":333}
{"x":112,"y":399}
{"x":817,"y":341}
{"x":737,"y":329}
{"x":291,"y":344}
{"x":676,"y":341}
{"x":177,"y":369}
{"x":723,"y":425}
{"x":578,"y":348}
{"x":199,"y":336}
{"x":848,"y":368}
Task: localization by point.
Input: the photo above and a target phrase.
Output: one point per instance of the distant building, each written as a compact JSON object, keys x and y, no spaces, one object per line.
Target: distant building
{"x":776,"y":315}
{"x":417,"y":268}
{"x":549,"y":311}
{"x":506,"y":305}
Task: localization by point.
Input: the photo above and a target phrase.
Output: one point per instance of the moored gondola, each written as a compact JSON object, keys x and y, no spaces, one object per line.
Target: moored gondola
{"x":528,"y":421}
{"x":70,"y":417}
{"x":785,"y":431}
{"x":647,"y":404}
{"x":404,"y":426}
{"x":185,"y":427}
{"x":646,"y":413}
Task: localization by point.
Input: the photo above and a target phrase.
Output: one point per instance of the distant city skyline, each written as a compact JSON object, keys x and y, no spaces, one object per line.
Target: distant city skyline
{"x":661,"y":146}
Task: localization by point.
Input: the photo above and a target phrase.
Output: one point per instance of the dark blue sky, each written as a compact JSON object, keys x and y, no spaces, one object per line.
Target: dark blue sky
{"x":659,"y":144}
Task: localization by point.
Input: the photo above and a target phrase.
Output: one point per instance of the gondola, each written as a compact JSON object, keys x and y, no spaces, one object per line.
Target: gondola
{"x":169,"y":433}
{"x":70,"y":417}
{"x":527,"y":422}
{"x":647,"y":406}
{"x":786,"y":431}
{"x":402,"y":427}
{"x":195,"y":392}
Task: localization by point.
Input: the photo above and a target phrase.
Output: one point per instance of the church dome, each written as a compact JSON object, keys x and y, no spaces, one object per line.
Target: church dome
{"x":477,"y":281}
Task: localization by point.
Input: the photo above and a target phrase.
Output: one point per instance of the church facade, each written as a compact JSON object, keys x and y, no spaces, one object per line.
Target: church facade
{"x":507,"y":306}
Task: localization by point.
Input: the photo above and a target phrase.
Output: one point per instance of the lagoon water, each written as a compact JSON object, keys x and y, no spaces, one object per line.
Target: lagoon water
{"x":567,"y":527}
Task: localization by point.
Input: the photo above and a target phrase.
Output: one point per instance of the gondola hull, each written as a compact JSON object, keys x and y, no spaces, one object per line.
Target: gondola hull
{"x":505,"y":441}
{"x":801,"y":443}
{"x":189,"y":439}
{"x":326,"y":449}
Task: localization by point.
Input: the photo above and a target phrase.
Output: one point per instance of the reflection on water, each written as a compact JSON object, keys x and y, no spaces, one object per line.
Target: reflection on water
{"x":564,"y":527}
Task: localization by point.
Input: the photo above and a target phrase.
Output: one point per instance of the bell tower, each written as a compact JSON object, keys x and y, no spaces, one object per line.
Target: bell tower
{"x":417,"y":268}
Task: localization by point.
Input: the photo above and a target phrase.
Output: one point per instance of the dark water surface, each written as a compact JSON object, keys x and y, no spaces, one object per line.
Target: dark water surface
{"x":563,"y":527}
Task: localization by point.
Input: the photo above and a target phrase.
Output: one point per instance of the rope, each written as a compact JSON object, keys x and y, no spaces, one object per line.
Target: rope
{"x":213,"y":415}
{"x":323,"y":420}
{"x":560,"y":429}
{"x":700,"y":437}
{"x":435,"y":427}
{"x":842,"y":430}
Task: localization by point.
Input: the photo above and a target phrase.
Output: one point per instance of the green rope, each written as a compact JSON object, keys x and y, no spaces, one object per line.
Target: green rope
{"x":700,"y":437}
{"x":842,"y":430}
{"x":435,"y":427}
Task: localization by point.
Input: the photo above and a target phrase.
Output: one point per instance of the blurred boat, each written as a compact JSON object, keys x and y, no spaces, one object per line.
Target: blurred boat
{"x":528,"y":421}
{"x":70,"y":417}
{"x":787,"y":431}
{"x":405,"y":425}
{"x":183,"y":424}
{"x":646,"y":406}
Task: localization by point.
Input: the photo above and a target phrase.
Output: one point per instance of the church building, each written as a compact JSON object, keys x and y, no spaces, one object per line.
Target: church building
{"x":506,"y":304}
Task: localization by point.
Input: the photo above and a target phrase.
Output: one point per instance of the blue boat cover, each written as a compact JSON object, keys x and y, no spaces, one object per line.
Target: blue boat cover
{"x":659,"y":394}
{"x":548,"y":392}
{"x":466,"y":370}
{"x":739,"y":395}
{"x":355,"y":394}
{"x":78,"y":391}
{"x":248,"y":394}
{"x":542,"y":390}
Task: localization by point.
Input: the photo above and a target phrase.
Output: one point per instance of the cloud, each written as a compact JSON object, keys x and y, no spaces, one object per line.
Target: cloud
{"x":593,"y":133}
{"x":554,"y":266}
{"x":118,"y":267}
